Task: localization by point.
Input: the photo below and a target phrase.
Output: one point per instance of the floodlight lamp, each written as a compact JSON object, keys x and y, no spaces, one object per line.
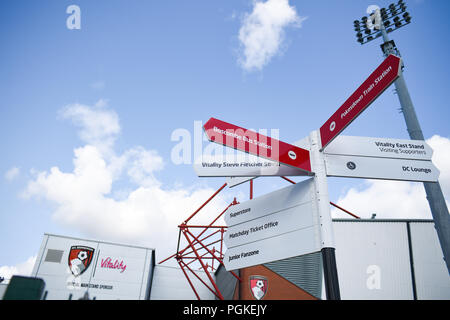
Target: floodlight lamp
{"x":407,"y":17}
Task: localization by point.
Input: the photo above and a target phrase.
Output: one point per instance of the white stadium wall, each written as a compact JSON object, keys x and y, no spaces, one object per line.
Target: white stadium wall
{"x":390,"y":260}
{"x":376,"y":259}
{"x":114,"y":271}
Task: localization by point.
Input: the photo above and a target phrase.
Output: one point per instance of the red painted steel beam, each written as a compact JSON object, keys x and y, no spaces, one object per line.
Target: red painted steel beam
{"x":201,"y":280}
{"x":189,"y":280}
{"x":187,"y":247}
{"x":220,"y":260}
{"x":200,"y":226}
{"x":203,"y":265}
{"x":206,"y":202}
{"x":346,"y":211}
{"x":214,"y":242}
{"x":288,"y":180}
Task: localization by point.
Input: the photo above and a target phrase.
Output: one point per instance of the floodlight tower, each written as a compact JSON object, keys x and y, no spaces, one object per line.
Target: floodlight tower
{"x":379,"y":23}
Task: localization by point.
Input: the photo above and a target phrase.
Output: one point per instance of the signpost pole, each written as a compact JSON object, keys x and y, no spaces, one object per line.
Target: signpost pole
{"x":433,"y":190}
{"x":326,"y":224}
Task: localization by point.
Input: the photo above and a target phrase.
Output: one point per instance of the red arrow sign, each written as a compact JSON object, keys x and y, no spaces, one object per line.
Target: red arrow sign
{"x":386,"y":73}
{"x":257,"y":144}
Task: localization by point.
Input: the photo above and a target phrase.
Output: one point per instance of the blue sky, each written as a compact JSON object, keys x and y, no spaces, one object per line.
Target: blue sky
{"x":151,"y":67}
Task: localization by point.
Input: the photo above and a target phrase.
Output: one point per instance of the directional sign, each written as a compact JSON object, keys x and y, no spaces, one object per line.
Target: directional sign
{"x":381,"y":168}
{"x":242,"y":166}
{"x":287,"y":220}
{"x":279,"y":200}
{"x":375,"y":84}
{"x":275,"y":226}
{"x":380,"y":147}
{"x":284,"y":246}
{"x":257,"y":144}
{"x":235,"y":181}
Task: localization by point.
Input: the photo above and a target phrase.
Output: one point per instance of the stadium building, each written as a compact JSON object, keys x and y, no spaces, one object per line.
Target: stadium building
{"x":376,"y":259}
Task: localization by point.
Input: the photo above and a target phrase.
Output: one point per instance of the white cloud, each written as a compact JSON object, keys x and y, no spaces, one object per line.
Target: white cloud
{"x":99,"y":125}
{"x":398,"y":199}
{"x":84,"y":199}
{"x":441,"y":159}
{"x":23,"y":269}
{"x":12,"y":173}
{"x":263,"y":30}
{"x":142,"y":163}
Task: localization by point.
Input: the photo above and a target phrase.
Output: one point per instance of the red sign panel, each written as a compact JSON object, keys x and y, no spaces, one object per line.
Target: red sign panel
{"x":257,"y":144}
{"x":386,"y":73}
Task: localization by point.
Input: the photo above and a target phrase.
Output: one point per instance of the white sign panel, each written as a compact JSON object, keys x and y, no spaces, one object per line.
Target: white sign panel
{"x":381,"y":168}
{"x":284,"y":246}
{"x":242,"y":165}
{"x":276,"y":201}
{"x":287,"y":220}
{"x":380,"y":147}
{"x":278,"y":225}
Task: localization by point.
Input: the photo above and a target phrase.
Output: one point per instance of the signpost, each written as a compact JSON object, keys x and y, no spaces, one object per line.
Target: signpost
{"x":297,"y":220}
{"x":375,"y":84}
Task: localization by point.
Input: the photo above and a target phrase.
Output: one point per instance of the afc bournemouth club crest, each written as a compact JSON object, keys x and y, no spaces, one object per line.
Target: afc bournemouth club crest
{"x":258,"y":286}
{"x":80,"y":258}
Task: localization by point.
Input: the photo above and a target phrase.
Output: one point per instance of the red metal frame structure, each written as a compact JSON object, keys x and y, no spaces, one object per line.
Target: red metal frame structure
{"x":193,"y":251}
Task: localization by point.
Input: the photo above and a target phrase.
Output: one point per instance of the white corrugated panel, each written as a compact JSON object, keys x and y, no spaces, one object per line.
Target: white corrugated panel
{"x":169,"y":283}
{"x":3,"y":287}
{"x":373,"y":260}
{"x":432,"y":278}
